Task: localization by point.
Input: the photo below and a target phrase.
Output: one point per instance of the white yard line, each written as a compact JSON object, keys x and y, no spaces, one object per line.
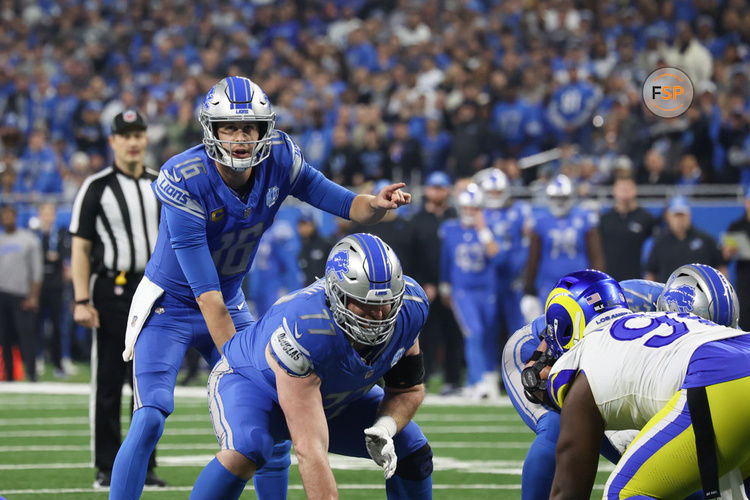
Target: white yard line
{"x":522,"y":445}
{"x":60,"y":388}
{"x":206,"y":431}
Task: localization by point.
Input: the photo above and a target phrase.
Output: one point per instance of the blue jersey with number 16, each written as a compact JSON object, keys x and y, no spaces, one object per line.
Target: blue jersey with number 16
{"x":203,"y":220}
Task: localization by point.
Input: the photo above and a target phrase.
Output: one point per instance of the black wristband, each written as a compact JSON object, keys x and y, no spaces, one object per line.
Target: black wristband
{"x":81,"y":302}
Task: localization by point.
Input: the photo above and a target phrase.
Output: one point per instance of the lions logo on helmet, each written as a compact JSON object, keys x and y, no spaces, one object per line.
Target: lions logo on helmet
{"x":574,"y":302}
{"x":703,"y":291}
{"x":494,"y":185}
{"x":469,"y":201}
{"x":361,"y":267}
{"x":237,"y":99}
{"x":560,"y":195}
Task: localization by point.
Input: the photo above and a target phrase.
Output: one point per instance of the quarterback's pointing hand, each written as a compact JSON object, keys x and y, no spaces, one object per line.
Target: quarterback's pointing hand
{"x":391,"y":197}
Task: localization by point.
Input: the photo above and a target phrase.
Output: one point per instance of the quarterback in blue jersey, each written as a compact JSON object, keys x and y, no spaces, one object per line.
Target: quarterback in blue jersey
{"x":467,"y":280}
{"x":685,"y":291}
{"x":307,"y":370}
{"x":217,"y":200}
{"x":563,"y":239}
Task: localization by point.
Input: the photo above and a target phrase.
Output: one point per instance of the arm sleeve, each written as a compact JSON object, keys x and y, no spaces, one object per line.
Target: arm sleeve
{"x":188,"y":239}
{"x":314,"y":188}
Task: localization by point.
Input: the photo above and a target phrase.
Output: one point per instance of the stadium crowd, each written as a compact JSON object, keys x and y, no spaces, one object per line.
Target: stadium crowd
{"x":393,"y":89}
{"x":381,"y":90}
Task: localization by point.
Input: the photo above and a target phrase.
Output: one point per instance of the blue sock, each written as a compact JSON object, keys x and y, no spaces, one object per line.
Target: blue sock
{"x":272,"y":479}
{"x":398,"y":488}
{"x":215,"y":481}
{"x":129,"y":470}
{"x":539,"y":464}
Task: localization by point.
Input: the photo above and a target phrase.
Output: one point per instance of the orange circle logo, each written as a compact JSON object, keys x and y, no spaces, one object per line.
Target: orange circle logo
{"x":668,"y":92}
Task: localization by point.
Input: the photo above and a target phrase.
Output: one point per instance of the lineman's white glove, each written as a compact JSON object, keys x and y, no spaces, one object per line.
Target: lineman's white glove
{"x":379,"y":441}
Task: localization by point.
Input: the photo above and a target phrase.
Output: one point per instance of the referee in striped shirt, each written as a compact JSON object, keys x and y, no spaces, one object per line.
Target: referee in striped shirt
{"x":114,"y":227}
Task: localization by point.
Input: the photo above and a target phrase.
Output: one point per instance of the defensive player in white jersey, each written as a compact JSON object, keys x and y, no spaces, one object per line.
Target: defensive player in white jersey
{"x":681,"y":379}
{"x":690,"y":288}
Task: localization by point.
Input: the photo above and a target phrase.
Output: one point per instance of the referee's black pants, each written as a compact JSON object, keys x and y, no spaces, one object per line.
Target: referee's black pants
{"x":113,"y":305}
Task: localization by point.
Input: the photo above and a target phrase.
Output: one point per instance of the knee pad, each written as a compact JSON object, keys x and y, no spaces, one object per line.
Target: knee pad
{"x":151,"y":420}
{"x":280,"y":459}
{"x":416,"y":466}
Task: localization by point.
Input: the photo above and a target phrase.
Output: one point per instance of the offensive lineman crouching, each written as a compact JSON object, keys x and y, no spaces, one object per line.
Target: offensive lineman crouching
{"x":307,"y":370}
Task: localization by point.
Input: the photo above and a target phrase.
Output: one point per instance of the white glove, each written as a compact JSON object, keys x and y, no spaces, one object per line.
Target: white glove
{"x":531,"y":307}
{"x":379,"y":441}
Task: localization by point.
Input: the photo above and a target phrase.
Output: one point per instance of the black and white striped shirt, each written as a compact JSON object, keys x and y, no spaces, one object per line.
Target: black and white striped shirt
{"x":119,"y":214}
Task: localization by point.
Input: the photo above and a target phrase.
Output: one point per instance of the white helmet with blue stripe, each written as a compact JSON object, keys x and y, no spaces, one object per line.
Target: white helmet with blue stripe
{"x":236,"y":98}
{"x":560,"y":195}
{"x":362,"y":268}
{"x":494,"y":185}
{"x":703,"y":291}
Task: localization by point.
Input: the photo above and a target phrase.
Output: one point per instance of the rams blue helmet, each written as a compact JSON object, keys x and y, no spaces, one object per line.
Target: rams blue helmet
{"x":236,"y":98}
{"x":701,"y":290}
{"x":574,"y":302}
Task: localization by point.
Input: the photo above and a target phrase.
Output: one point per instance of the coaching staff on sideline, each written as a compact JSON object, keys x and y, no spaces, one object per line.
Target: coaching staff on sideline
{"x":114,"y":227}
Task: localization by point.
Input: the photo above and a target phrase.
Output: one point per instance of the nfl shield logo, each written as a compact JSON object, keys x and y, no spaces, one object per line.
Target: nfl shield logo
{"x":271,"y":196}
{"x":246,"y":213}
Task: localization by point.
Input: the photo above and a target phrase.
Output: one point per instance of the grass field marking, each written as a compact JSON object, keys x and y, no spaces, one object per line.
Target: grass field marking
{"x":60,"y":388}
{"x":80,"y":420}
{"x":206,"y":431}
{"x":213,"y":446}
{"x":294,"y":487}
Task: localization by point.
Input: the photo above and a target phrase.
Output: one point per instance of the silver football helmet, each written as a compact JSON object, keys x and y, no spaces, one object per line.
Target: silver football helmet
{"x":236,"y":98}
{"x":471,"y":197}
{"x":701,"y":290}
{"x":362,"y":268}
{"x":560,"y":195}
{"x":494,"y":185}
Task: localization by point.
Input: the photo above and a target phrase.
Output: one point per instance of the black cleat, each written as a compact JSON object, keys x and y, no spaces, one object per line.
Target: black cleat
{"x":103,"y":479}
{"x":153,"y":480}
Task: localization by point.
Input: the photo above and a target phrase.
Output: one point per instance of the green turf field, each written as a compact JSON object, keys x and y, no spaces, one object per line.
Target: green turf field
{"x":45,"y":449}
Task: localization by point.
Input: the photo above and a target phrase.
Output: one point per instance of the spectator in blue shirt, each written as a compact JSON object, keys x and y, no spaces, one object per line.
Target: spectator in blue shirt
{"x":38,"y":167}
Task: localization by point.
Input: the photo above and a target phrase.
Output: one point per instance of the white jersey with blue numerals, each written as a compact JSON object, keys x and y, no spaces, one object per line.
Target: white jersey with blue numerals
{"x":189,"y":184}
{"x":302,"y":336}
{"x":635,"y":362}
{"x":641,"y":296}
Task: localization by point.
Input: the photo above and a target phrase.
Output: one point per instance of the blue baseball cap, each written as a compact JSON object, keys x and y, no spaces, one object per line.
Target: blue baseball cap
{"x":678,"y":205}
{"x":438,"y":179}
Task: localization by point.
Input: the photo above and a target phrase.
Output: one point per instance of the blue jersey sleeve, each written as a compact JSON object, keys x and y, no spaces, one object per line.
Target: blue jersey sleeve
{"x":314,"y":188}
{"x":307,"y":183}
{"x":170,"y":189}
{"x":416,"y":305}
{"x":641,"y":295}
{"x":188,"y":239}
